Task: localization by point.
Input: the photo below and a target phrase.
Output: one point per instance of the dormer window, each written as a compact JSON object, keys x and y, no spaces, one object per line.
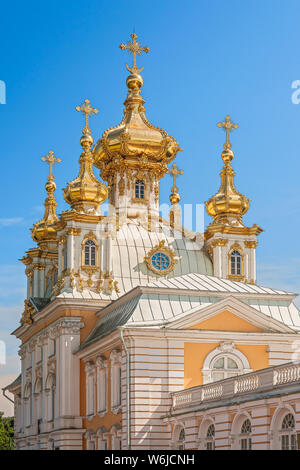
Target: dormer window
{"x":90,"y":253}
{"x":139,"y":189}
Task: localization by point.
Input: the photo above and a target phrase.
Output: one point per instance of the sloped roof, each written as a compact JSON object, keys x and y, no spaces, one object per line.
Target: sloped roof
{"x":159,"y":304}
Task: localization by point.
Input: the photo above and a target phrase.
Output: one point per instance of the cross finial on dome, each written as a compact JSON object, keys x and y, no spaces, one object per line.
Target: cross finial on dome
{"x":228,"y":127}
{"x":135,"y":49}
{"x":51,"y":160}
{"x":88,"y":111}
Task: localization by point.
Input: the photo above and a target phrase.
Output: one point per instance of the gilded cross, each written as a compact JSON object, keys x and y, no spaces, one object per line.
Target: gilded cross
{"x":51,"y":160}
{"x":175,"y":172}
{"x":228,"y":127}
{"x":88,"y":110}
{"x":135,"y":49}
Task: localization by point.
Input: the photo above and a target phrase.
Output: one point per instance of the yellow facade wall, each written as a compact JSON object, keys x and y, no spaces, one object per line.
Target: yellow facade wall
{"x":195,"y":354}
{"x":225,"y":321}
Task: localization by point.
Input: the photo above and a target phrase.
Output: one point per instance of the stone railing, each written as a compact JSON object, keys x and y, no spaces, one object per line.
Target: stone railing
{"x":258,"y":381}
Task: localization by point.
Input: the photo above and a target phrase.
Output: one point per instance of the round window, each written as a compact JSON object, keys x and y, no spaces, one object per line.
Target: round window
{"x":160,"y":261}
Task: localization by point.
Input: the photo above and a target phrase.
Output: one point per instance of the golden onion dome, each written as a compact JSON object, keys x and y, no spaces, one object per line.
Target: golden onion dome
{"x":85,"y":193}
{"x":46,"y":229}
{"x":227,"y":205}
{"x":135,"y":139}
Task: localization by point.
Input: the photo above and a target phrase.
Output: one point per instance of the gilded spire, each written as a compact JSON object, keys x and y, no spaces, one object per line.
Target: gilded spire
{"x":45,"y":229}
{"x":228,"y":205}
{"x":174,"y":172}
{"x":134,"y":48}
{"x":86,"y":192}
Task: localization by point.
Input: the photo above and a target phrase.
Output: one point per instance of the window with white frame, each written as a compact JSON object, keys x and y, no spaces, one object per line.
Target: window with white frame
{"x":236,"y":263}
{"x":288,"y":434}
{"x":101,"y":365}
{"x":210,"y":438}
{"x":246,"y":430}
{"x":90,"y":389}
{"x":223,"y":362}
{"x":225,"y":366}
{"x":116,"y":380}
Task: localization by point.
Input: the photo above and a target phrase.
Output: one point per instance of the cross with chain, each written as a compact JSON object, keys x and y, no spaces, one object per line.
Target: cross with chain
{"x":174,"y":172}
{"x":135,"y":49}
{"x":88,"y":110}
{"x":228,"y":127}
{"x":51,"y":160}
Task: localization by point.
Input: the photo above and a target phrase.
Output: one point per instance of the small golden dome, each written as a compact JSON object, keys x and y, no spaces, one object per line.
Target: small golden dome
{"x":227,"y":205}
{"x":46,"y":229}
{"x":85,"y":193}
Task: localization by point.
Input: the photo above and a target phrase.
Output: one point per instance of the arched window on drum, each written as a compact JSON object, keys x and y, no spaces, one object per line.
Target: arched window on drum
{"x":90,"y":251}
{"x":235,"y":263}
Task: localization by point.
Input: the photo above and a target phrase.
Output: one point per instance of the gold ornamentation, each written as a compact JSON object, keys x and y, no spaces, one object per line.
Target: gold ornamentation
{"x":174,"y":172}
{"x":73,"y":231}
{"x":219,"y":242}
{"x":227,"y":206}
{"x":228,"y":127}
{"x":135,"y":140}
{"x":161,"y":248}
{"x":86,"y":192}
{"x":46,"y":229}
{"x":135,"y":49}
{"x":38,"y":267}
{"x":87,"y":110}
{"x":27,"y":315}
{"x":250,"y":243}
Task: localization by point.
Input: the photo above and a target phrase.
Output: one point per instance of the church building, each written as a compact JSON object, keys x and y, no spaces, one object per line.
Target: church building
{"x":138,"y":333}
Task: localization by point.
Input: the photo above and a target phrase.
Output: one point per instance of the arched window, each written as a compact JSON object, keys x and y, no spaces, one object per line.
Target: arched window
{"x":246,"y":435}
{"x":90,"y":253}
{"x":181,"y":440}
{"x":224,"y":367}
{"x":288,"y":435}
{"x":139,"y":190}
{"x":236,"y":263}
{"x":210,"y":437}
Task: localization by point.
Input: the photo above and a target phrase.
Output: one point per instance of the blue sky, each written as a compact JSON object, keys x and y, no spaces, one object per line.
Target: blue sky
{"x":207,"y":59}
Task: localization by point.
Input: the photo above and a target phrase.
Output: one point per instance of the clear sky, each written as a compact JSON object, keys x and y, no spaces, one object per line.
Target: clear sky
{"x":207,"y":59}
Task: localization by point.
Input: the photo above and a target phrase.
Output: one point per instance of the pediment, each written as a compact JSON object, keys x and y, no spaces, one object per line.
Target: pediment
{"x":230,"y":314}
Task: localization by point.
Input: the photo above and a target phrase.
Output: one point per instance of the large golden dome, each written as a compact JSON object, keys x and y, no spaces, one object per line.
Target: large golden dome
{"x":134,"y":140}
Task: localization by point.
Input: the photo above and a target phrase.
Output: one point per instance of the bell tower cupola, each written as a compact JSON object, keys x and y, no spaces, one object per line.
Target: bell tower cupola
{"x":231,"y":244}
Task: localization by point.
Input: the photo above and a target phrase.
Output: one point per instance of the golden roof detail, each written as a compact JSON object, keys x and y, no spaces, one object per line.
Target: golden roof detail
{"x":46,"y":228}
{"x":227,"y":206}
{"x":135,"y":140}
{"x":86,"y":192}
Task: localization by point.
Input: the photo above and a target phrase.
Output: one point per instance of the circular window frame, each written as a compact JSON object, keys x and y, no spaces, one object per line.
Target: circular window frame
{"x":161,"y":248}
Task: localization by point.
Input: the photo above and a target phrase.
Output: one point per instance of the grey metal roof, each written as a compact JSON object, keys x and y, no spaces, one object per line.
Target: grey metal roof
{"x":112,"y":320}
{"x":17,"y":381}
